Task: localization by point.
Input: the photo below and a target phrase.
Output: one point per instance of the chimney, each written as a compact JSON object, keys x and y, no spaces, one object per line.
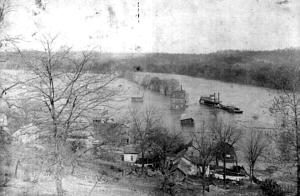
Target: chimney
{"x":214,"y":97}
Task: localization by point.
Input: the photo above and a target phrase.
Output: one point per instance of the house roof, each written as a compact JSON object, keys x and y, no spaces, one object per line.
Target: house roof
{"x":228,"y":149}
{"x":181,"y":151}
{"x":185,"y":166}
{"x":186,"y":116}
{"x":130,"y":149}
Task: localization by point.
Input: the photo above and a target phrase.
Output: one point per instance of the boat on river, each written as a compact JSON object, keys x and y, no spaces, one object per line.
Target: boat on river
{"x":231,"y":109}
{"x":214,"y":101}
{"x":211,"y":100}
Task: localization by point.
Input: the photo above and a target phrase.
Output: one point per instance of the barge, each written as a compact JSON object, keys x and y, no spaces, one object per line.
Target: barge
{"x":231,"y":109}
{"x":214,"y":101}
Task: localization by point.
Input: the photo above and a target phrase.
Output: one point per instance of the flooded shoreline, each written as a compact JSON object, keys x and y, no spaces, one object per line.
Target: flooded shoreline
{"x":254,"y":101}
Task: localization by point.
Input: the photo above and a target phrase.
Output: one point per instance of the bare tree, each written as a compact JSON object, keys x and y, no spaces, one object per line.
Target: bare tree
{"x":204,"y":146}
{"x":286,"y":107}
{"x":5,"y":87}
{"x":161,"y":144}
{"x":143,"y":125}
{"x":225,"y":136}
{"x":68,"y":99}
{"x":253,"y":148}
{"x":7,"y":83}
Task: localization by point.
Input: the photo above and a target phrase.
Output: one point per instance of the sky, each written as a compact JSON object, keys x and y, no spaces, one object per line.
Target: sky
{"x":176,"y":26}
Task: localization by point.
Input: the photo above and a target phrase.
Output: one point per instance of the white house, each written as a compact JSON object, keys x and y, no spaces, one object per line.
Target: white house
{"x":130,"y":154}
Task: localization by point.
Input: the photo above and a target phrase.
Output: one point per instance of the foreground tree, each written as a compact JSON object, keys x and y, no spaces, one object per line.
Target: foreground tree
{"x":226,"y":136}
{"x":253,"y":148}
{"x":68,"y":100}
{"x":204,"y":147}
{"x":7,"y":85}
{"x":161,"y":144}
{"x":143,"y":126}
{"x":286,"y":108}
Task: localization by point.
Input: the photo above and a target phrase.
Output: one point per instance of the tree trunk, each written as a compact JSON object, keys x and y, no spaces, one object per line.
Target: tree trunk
{"x":251,"y":174}
{"x":297,"y":152}
{"x":203,"y":183}
{"x":224,"y":170}
{"x":298,"y":177}
{"x":203,"y":180}
{"x":298,"y":164}
{"x":58,"y":183}
{"x":58,"y":177}
{"x":59,"y":167}
{"x":16,"y":168}
{"x":143,"y":163}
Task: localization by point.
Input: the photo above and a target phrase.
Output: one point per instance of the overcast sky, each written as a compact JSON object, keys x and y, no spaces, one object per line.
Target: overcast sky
{"x":174,"y":26}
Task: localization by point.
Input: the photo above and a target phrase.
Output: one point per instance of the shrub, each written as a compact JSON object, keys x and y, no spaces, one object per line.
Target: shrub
{"x":270,"y":187}
{"x":105,"y":155}
{"x":76,"y":145}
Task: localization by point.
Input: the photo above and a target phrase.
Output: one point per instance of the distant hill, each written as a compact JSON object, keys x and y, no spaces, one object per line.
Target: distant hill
{"x":262,"y":68}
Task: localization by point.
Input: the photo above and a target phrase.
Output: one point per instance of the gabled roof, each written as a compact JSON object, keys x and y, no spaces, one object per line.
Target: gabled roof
{"x":228,"y":149}
{"x":181,"y":151}
{"x":185,"y":166}
{"x":186,"y":116}
{"x":130,"y":149}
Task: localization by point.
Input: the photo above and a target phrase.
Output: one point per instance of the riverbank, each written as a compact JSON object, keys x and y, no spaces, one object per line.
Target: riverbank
{"x":270,"y":69}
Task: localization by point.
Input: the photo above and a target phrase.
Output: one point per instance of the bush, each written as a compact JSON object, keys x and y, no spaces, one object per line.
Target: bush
{"x":270,"y":187}
{"x":77,"y":145}
{"x":105,"y":155}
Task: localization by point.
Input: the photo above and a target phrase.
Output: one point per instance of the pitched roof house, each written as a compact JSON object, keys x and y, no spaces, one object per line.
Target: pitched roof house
{"x":178,"y":99}
{"x":130,"y":154}
{"x":228,"y":149}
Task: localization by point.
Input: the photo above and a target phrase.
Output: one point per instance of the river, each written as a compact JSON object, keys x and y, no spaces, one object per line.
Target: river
{"x":254,"y":101}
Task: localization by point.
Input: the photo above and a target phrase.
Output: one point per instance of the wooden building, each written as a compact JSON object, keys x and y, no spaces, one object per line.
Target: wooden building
{"x":178,"y":99}
{"x":130,"y":154}
{"x":112,"y":132}
{"x":230,"y":154}
{"x":186,"y":120}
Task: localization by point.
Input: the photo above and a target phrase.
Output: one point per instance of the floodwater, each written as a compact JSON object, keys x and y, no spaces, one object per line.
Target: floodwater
{"x":254,"y":101}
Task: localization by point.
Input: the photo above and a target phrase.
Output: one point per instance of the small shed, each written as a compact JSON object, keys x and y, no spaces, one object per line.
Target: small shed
{"x":186,"y":120}
{"x":130,"y":154}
